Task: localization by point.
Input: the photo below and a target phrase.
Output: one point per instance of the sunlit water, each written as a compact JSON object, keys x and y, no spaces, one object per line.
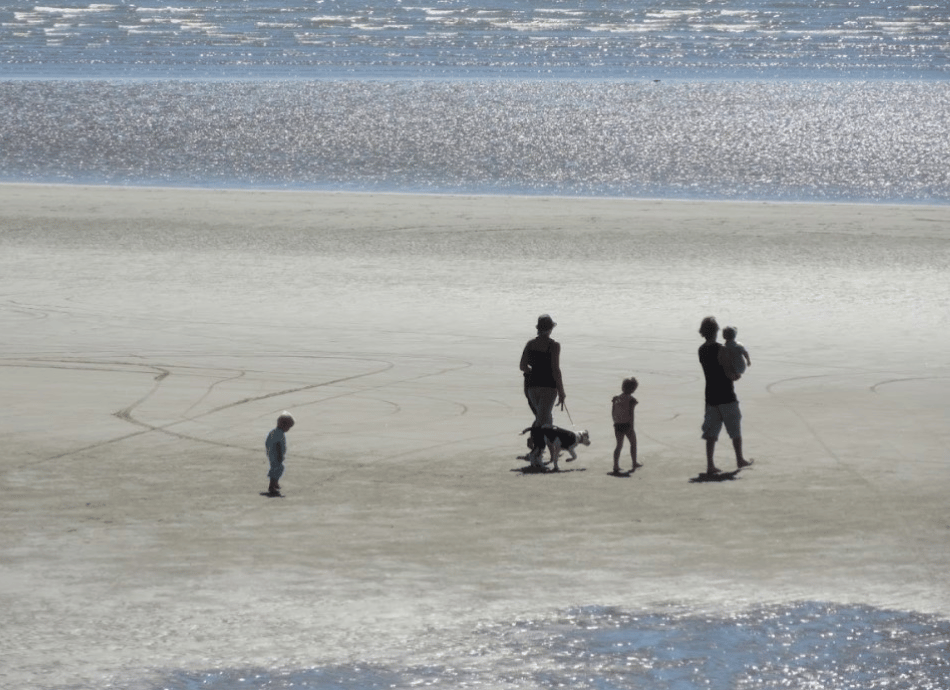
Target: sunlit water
{"x":740,"y":99}
{"x":866,"y":39}
{"x":807,"y":647}
{"x":873,"y":141}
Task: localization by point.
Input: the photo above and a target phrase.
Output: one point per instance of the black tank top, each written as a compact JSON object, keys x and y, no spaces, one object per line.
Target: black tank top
{"x":542,"y":372}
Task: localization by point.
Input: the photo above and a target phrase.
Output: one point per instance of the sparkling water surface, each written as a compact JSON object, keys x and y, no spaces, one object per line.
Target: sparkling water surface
{"x":498,"y":39}
{"x":818,"y":141}
{"x":739,"y":99}
{"x":809,"y":646}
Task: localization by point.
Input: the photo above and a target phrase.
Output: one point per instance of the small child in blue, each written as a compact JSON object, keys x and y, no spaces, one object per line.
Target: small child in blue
{"x":276,"y":446}
{"x":733,"y":357}
{"x":622,"y":412}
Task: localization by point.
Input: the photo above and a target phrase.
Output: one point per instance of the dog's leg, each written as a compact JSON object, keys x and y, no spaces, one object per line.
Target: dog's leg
{"x":535,"y":457}
{"x":555,"y":450}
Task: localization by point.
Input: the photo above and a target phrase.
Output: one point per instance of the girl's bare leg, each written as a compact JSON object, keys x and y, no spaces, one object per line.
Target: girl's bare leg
{"x":619,"y":435}
{"x":633,"y":448}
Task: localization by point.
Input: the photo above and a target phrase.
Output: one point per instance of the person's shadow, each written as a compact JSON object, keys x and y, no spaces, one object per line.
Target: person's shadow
{"x":717,"y":477}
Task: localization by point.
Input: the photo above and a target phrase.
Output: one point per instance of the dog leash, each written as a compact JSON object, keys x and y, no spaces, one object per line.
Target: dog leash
{"x":570,"y":419}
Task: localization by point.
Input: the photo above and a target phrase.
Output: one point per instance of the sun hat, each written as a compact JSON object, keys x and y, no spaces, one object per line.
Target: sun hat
{"x":545,"y":322}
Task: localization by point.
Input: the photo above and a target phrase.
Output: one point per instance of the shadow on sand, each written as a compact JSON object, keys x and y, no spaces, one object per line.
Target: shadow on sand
{"x":530,"y":469}
{"x":718,"y":477}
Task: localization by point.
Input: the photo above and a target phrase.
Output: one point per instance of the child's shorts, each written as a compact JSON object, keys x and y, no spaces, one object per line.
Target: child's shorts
{"x":623,"y":427}
{"x":717,"y":415}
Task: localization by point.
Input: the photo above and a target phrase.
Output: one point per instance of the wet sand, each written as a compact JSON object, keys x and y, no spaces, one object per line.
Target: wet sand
{"x":151,"y":337}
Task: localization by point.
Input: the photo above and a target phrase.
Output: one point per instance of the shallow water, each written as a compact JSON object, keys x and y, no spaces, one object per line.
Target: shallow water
{"x":806,"y":646}
{"x":871,"y":39}
{"x":738,"y":99}
{"x":816,"y":141}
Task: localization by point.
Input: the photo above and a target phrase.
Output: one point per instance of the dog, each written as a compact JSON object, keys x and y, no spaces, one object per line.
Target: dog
{"x":556,"y":439}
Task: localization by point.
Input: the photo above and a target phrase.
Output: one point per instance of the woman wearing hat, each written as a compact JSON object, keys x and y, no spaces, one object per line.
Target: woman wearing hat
{"x":541,"y":364}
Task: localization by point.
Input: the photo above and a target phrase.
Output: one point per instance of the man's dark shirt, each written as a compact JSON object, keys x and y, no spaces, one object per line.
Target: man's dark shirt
{"x":719,"y":387}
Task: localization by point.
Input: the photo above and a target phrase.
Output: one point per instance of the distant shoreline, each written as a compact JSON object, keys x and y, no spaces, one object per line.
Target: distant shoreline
{"x":461,"y":195}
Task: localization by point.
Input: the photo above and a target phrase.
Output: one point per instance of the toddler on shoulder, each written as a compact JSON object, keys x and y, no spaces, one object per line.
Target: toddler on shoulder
{"x":733,"y":357}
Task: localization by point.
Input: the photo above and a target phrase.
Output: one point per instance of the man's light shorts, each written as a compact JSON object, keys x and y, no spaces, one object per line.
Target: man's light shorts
{"x":717,"y":415}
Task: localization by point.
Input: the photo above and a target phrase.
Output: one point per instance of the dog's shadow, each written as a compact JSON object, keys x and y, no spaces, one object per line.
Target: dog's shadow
{"x":531,"y":469}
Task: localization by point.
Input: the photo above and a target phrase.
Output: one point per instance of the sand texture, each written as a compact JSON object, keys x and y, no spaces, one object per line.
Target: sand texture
{"x":150,"y":338}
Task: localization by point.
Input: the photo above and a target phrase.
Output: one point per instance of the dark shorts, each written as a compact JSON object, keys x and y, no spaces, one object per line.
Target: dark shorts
{"x":623,"y":427}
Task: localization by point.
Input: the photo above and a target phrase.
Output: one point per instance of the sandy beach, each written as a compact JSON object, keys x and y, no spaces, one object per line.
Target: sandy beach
{"x":151,"y":337}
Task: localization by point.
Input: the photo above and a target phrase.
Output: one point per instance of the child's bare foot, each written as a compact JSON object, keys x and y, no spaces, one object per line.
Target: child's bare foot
{"x":636,"y":465}
{"x":744,"y":463}
{"x":712,"y":469}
